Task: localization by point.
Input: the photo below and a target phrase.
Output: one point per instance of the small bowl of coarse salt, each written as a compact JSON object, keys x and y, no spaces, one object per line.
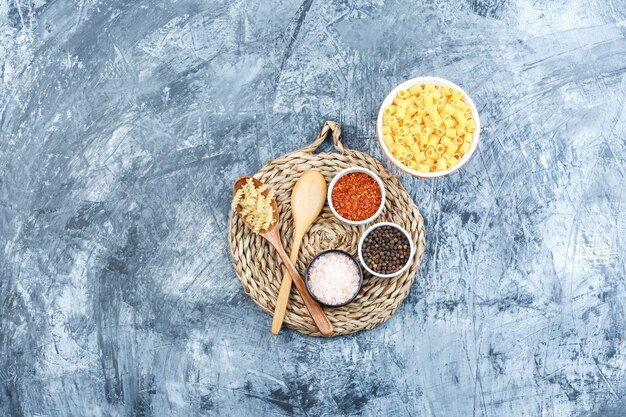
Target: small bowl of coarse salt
{"x":334,"y":278}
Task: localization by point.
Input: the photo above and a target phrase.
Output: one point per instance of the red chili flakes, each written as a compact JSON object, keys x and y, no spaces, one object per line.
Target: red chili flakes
{"x":356,"y":196}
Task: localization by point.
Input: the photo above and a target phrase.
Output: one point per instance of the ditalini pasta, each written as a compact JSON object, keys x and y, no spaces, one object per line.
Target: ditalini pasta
{"x":428,"y":127}
{"x":255,"y":207}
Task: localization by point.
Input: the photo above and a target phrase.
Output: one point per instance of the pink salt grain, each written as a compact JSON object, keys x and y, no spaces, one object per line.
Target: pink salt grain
{"x":334,"y":278}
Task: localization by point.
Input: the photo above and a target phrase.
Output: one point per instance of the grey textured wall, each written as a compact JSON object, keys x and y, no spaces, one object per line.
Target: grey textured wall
{"x":124,"y":124}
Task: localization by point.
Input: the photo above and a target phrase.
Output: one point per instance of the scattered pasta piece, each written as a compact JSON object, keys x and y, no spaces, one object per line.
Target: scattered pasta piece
{"x":428,"y":127}
{"x":255,"y":207}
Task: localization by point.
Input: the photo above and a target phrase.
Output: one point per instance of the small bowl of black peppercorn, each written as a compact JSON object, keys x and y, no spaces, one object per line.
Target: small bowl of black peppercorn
{"x":386,"y":250}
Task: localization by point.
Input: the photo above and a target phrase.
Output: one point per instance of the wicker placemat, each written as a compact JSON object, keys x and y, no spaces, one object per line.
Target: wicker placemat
{"x":257,"y":264}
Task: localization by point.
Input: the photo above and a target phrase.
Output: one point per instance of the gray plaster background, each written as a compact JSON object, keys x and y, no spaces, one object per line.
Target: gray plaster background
{"x":124,"y":124}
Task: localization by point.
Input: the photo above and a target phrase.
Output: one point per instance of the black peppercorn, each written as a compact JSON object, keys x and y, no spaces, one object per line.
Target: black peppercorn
{"x":386,"y":250}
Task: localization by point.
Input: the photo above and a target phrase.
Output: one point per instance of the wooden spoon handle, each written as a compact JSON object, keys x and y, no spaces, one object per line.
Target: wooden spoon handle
{"x":320,"y":319}
{"x":285,"y":288}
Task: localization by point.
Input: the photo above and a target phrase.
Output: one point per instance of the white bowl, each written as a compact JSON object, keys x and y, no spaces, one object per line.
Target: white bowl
{"x":348,"y":171}
{"x":408,"y":84}
{"x":394,"y":225}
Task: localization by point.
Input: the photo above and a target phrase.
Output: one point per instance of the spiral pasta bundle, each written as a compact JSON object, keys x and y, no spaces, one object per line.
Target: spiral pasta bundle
{"x":256,"y":208}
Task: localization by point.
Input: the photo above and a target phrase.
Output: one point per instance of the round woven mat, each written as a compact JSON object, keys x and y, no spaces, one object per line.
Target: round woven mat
{"x":258,"y":266}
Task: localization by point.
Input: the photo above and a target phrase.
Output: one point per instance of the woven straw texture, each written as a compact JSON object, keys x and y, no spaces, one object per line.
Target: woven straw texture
{"x":257,"y":264}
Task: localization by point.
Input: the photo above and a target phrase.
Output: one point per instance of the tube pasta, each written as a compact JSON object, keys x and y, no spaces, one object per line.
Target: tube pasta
{"x":415,"y":90}
{"x":388,"y":139}
{"x":428,"y":99}
{"x":452,"y":161}
{"x":428,"y":127}
{"x":471,"y":125}
{"x":460,"y":118}
{"x":446,"y":141}
{"x":403,"y":150}
{"x":447,"y":109}
{"x":404,"y":94}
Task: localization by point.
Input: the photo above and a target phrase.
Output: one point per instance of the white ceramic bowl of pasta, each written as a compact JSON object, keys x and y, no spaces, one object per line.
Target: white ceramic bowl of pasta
{"x":406,"y":85}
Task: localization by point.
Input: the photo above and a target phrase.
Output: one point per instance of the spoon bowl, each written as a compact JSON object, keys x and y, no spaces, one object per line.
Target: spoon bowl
{"x":239,"y":184}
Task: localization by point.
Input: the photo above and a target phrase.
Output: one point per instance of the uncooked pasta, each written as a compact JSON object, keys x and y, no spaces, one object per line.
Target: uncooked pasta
{"x":256,"y":208}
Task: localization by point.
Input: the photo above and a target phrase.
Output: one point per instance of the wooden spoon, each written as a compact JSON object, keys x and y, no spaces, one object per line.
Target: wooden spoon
{"x":273,"y":237}
{"x":307,"y":200}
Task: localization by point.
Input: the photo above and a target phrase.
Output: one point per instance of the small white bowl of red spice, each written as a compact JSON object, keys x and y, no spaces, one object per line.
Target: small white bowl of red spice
{"x":356,"y":196}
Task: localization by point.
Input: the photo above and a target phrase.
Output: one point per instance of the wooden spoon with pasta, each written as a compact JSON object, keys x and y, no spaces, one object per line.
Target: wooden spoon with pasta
{"x":271,"y":234}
